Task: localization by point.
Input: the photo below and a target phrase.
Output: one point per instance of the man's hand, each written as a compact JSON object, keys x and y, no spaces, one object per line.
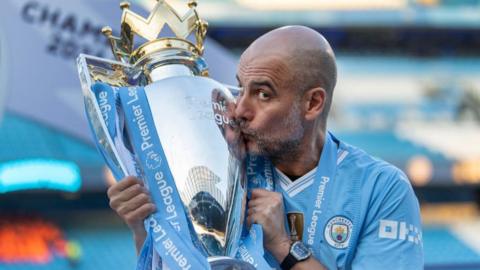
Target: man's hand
{"x":266,"y":208}
{"x":130,"y":199}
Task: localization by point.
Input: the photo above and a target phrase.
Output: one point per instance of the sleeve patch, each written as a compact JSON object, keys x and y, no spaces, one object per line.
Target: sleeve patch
{"x":399,"y":231}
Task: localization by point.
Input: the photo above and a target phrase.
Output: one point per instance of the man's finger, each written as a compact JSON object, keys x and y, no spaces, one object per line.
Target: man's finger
{"x":134,"y":203}
{"x":251,"y":211}
{"x":130,"y":192}
{"x":140,"y":213}
{"x":263,"y":202}
{"x":250,"y":220}
{"x":260,"y":192}
{"x":124,"y":184}
{"x":256,"y":218}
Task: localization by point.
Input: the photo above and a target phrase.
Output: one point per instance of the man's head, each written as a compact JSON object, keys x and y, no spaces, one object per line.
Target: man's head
{"x":288,"y":76}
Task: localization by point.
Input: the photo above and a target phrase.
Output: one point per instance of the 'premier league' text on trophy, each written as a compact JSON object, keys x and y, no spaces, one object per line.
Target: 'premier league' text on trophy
{"x":156,"y":115}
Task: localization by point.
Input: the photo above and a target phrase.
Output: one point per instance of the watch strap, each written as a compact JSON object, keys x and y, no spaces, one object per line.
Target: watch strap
{"x":288,"y":262}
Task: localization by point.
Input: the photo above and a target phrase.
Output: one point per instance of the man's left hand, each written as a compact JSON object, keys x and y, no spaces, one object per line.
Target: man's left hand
{"x":266,"y":208}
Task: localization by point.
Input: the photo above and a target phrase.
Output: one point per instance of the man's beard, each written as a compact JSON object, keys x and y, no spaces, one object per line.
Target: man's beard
{"x":279,"y":149}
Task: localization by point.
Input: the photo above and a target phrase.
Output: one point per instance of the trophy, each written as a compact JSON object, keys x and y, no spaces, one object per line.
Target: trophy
{"x":156,"y":115}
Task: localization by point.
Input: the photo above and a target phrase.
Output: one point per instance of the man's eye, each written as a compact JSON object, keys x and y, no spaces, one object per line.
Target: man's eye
{"x":263,"y":96}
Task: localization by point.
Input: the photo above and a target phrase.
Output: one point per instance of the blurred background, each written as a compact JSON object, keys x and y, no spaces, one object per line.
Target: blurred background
{"x":408,"y":92}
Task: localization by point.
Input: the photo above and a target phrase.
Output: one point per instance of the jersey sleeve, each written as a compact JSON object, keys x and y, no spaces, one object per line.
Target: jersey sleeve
{"x":391,"y":236}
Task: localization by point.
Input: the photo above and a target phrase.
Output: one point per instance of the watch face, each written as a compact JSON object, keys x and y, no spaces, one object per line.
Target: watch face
{"x":300,"y":251}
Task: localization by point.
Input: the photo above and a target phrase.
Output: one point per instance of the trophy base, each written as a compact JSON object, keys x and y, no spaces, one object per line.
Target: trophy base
{"x":227,"y":263}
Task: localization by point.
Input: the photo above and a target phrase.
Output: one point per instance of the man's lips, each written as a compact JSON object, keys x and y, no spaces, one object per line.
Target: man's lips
{"x":248,"y":138}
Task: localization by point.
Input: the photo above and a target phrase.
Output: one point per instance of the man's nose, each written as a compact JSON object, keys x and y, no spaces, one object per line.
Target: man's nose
{"x":243,"y":108}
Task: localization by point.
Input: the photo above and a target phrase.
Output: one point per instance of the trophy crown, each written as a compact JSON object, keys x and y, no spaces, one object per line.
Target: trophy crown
{"x":149,"y":28}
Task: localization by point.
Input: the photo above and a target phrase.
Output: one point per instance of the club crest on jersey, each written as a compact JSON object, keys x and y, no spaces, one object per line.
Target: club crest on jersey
{"x":338,"y":232}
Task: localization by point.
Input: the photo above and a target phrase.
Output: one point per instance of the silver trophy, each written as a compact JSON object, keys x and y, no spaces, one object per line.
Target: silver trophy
{"x":191,"y":115}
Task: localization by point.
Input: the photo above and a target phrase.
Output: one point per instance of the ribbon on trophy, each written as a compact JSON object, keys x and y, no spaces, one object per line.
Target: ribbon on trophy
{"x":259,"y":175}
{"x":105,"y":96}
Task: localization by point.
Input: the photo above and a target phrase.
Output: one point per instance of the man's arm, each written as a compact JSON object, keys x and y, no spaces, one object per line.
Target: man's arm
{"x":130,"y":199}
{"x":266,"y":208}
{"x":391,"y":236}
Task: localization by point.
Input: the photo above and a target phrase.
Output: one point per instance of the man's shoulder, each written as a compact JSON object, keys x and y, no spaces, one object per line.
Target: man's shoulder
{"x":370,"y":170}
{"x":355,"y":158}
{"x":384,"y":204}
{"x":383,"y":187}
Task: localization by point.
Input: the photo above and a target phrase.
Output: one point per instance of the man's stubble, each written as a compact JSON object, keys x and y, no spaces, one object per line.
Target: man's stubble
{"x":284,"y":147}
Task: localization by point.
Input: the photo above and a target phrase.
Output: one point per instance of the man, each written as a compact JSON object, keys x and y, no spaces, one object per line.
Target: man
{"x":357,"y":212}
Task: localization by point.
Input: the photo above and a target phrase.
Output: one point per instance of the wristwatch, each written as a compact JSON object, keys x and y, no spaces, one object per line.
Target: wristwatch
{"x":298,"y":253}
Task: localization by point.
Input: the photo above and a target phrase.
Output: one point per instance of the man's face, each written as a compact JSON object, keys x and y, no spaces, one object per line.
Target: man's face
{"x":268,"y":110}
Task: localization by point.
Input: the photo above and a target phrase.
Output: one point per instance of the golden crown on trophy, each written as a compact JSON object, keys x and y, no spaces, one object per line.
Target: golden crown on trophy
{"x":149,"y":28}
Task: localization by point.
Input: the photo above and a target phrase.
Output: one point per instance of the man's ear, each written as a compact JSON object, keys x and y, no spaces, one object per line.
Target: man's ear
{"x":314,"y":100}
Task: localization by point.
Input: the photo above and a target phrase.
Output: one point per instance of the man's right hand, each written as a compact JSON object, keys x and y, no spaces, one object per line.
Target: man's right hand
{"x":131,"y":200}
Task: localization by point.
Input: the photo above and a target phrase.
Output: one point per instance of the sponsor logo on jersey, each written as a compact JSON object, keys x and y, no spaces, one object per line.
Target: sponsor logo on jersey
{"x":338,"y":232}
{"x":399,"y":230}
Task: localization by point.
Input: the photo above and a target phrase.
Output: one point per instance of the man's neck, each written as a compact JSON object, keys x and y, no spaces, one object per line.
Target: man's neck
{"x":303,"y":160}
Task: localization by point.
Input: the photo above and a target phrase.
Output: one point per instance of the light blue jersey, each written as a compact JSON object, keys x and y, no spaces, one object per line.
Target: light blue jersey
{"x":364,"y":217}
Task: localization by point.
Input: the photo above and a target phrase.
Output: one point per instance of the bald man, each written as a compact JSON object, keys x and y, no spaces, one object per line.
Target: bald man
{"x":333,"y":205}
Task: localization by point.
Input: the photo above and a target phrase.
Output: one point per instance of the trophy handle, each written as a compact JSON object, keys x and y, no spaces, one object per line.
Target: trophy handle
{"x":92,"y":70}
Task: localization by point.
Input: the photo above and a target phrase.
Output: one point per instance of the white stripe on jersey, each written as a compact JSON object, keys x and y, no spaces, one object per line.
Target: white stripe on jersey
{"x":341,"y":156}
{"x":289,"y":186}
{"x":292,"y":188}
